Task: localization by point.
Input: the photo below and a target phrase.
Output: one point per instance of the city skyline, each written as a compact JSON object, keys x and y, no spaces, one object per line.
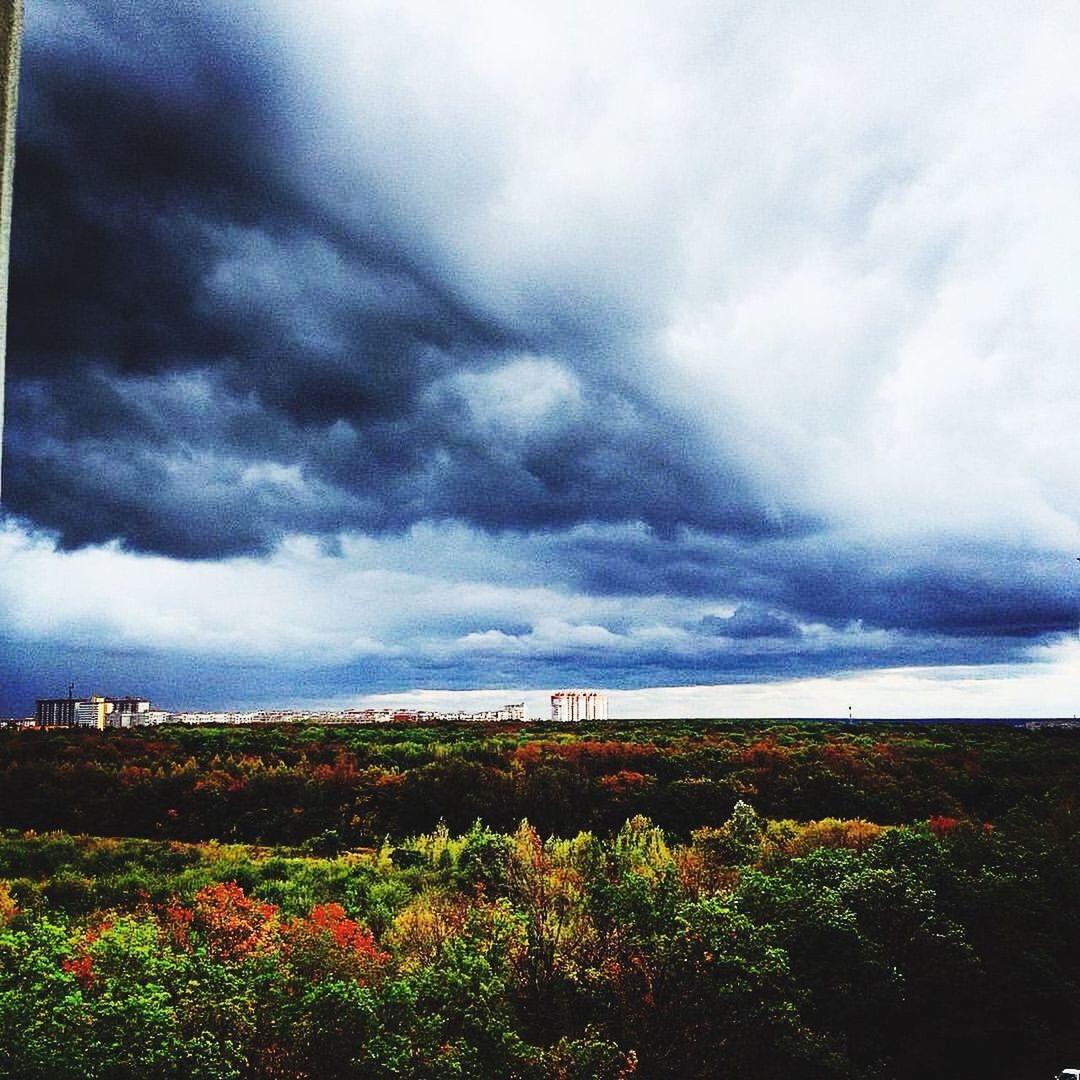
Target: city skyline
{"x":721,"y":357}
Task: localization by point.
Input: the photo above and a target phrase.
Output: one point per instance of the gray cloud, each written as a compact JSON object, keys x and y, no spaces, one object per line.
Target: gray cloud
{"x":752,"y":621}
{"x":205,"y":358}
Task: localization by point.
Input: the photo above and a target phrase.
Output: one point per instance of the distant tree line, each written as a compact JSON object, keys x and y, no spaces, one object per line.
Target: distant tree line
{"x":355,"y":786}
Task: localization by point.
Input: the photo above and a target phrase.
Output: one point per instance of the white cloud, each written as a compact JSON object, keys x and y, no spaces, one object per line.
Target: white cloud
{"x":300,"y":606}
{"x":305,"y":607}
{"x":1044,"y":689}
{"x":523,"y":394}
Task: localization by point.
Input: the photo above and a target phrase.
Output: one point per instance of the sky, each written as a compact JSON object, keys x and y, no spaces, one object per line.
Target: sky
{"x":720,"y":355}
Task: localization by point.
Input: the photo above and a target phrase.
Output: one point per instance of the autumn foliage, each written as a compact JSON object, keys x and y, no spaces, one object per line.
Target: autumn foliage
{"x":694,"y":900}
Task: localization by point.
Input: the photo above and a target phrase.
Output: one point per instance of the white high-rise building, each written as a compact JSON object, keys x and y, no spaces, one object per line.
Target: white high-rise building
{"x":571,"y":706}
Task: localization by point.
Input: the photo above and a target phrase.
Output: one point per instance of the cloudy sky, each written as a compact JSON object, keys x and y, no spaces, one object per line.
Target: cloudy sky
{"x":362,"y":350}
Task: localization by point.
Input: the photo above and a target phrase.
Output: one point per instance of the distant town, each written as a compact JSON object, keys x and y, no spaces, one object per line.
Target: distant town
{"x":100,"y":712}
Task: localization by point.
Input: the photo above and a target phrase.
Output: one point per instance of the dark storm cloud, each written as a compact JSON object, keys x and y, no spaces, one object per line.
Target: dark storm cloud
{"x":165,"y":227}
{"x":943,"y":588}
{"x":137,"y":132}
{"x":976,"y":592}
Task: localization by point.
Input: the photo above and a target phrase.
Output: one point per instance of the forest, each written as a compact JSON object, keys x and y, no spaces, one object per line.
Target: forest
{"x":652,"y":899}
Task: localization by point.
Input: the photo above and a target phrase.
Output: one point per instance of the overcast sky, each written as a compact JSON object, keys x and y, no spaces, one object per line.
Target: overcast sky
{"x":359,"y":348}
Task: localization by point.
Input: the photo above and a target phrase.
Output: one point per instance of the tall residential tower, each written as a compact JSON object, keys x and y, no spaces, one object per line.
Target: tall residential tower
{"x":570,"y":706}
